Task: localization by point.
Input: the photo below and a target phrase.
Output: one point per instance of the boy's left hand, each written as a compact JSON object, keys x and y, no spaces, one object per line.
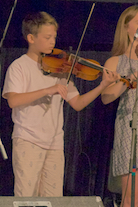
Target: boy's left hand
{"x":109,"y":77}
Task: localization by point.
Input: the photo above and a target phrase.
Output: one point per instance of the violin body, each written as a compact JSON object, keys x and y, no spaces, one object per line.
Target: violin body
{"x":85,"y":72}
{"x":54,"y":62}
{"x":60,"y":62}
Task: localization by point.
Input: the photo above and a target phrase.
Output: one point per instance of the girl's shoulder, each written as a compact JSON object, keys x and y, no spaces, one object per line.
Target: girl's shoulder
{"x":112,"y":63}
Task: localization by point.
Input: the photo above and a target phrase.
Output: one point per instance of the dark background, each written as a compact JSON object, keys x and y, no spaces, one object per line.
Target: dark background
{"x":71,"y":16}
{"x":89,"y":134}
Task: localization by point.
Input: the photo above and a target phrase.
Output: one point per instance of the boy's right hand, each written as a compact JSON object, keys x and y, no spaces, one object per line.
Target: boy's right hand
{"x":58,"y":89}
{"x":19,"y":99}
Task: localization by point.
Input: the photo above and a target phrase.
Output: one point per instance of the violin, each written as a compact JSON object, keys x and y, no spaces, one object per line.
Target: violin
{"x":60,"y":62}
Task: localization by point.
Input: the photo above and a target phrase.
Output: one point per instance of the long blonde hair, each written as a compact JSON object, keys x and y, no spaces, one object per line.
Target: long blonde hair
{"x":121,"y":38}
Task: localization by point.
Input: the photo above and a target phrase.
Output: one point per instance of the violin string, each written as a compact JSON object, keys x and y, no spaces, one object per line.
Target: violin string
{"x":91,"y":64}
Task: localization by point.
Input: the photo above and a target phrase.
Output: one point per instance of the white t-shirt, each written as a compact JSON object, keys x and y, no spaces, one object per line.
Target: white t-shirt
{"x":41,"y":121}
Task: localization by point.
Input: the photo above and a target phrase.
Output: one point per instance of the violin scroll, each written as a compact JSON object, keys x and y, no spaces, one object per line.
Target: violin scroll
{"x":129,"y":85}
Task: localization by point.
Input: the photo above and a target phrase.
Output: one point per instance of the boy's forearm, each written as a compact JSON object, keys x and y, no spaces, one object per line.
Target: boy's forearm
{"x":18,"y":99}
{"x":84,"y":100}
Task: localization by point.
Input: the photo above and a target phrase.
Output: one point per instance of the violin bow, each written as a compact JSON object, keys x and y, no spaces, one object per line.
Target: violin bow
{"x":74,"y":61}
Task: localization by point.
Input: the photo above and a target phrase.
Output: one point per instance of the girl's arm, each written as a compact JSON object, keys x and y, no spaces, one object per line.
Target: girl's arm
{"x":112,"y":92}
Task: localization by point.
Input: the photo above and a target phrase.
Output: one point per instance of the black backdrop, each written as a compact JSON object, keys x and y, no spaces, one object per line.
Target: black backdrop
{"x":71,"y":16}
{"x":113,"y":1}
{"x":89,"y":133}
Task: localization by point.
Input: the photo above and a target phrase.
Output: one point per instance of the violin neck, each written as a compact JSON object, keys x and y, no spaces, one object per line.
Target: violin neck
{"x":87,"y":63}
{"x":90,"y":64}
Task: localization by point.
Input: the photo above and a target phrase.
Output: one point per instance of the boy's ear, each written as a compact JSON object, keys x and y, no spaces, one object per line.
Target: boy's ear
{"x":30,"y":38}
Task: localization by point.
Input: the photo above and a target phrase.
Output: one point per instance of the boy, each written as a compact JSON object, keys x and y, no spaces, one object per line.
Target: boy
{"x":37,"y":111}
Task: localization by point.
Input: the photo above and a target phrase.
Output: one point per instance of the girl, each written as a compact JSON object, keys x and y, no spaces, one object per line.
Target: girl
{"x":124,"y":40}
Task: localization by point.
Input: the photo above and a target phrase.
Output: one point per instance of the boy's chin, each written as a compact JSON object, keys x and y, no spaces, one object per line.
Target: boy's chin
{"x":47,"y":52}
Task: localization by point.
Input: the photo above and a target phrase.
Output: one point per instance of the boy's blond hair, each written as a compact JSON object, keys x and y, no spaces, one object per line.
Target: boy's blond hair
{"x":32,"y":23}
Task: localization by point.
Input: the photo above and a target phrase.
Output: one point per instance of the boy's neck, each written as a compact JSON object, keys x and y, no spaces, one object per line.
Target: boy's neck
{"x":34,"y":56}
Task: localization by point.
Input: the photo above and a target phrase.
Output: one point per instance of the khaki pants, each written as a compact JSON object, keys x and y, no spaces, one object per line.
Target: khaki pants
{"x":38,"y":172}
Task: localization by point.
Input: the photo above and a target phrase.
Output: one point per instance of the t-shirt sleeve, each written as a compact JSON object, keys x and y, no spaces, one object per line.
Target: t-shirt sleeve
{"x":72,"y":90}
{"x":13,"y":80}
